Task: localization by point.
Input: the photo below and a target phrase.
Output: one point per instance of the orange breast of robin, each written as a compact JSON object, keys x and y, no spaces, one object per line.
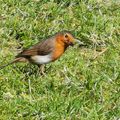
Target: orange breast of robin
{"x":58,"y":51}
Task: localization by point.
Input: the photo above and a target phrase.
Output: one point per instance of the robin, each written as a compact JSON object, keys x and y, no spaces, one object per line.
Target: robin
{"x":46,"y":51}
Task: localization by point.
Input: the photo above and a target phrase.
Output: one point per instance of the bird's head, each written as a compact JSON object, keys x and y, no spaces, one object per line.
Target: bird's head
{"x":66,"y":38}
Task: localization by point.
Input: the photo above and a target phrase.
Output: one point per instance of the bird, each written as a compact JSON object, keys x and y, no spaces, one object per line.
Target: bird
{"x":46,"y":51}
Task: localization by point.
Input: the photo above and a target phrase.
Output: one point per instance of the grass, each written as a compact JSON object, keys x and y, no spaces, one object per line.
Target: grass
{"x":75,"y":87}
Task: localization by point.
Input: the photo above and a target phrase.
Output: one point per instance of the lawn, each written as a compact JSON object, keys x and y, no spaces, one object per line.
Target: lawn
{"x":84,"y":84}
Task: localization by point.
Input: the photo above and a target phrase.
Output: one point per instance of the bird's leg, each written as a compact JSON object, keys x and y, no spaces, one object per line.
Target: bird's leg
{"x":42,"y":69}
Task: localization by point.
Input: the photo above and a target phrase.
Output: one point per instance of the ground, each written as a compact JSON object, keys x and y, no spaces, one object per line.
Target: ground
{"x":84,"y":84}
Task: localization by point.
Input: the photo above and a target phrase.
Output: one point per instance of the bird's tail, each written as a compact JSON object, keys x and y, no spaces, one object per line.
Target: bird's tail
{"x":14,"y":61}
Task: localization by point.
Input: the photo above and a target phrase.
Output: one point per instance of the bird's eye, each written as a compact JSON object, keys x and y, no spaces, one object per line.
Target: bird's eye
{"x":66,"y":36}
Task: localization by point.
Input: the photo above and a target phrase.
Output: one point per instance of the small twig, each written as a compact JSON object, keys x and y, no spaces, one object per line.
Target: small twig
{"x":100,"y":53}
{"x":96,"y":56}
{"x":2,"y":17}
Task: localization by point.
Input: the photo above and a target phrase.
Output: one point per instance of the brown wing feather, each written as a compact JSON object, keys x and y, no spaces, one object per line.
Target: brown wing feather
{"x":42,"y":48}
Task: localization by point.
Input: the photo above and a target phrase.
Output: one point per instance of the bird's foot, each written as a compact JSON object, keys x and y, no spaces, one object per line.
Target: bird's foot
{"x":42,"y":70}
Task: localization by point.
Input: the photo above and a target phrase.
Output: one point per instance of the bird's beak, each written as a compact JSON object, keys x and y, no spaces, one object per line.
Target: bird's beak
{"x":79,"y":42}
{"x":76,"y":41}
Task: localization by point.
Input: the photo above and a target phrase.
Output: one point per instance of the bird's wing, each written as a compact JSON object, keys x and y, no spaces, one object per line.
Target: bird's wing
{"x":42,"y":48}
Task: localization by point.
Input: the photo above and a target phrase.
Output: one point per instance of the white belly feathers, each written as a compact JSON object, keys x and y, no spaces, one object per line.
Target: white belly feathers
{"x":38,"y":59}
